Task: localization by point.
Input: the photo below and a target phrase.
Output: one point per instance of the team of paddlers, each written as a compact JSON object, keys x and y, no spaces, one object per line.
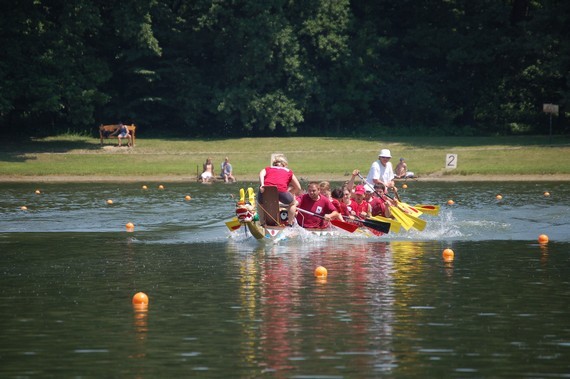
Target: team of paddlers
{"x":320,"y":204}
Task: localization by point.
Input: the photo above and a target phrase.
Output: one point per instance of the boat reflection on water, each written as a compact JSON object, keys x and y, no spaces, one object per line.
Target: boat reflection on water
{"x":348,"y":316}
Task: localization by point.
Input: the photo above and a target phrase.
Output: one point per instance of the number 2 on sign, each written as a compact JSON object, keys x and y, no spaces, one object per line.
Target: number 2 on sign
{"x":451,"y":161}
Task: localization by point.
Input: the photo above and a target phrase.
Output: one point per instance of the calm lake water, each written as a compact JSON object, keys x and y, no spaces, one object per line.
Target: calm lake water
{"x":224,"y":305}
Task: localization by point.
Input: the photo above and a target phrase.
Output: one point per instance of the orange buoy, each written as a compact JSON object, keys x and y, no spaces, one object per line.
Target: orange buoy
{"x":187,"y":198}
{"x":161,"y":187}
{"x":321,"y":272}
{"x":543,"y":238}
{"x":109,"y":201}
{"x":24,"y":208}
{"x":38,"y":192}
{"x":144,"y":187}
{"x":450,"y":202}
{"x":404,"y":186}
{"x":499,"y":197}
{"x":448,"y":255}
{"x":546,"y":193}
{"x":140,"y":298}
{"x":130,"y":227}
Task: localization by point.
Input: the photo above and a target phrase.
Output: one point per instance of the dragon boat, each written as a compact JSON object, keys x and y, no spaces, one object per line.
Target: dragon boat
{"x":268,"y":220}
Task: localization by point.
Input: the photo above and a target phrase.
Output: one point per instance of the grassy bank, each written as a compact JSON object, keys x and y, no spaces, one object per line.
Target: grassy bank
{"x":308,"y":157}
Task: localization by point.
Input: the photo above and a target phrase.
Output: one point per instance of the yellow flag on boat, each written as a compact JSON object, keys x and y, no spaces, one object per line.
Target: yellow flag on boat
{"x":251,"y":196}
{"x":233,"y":224}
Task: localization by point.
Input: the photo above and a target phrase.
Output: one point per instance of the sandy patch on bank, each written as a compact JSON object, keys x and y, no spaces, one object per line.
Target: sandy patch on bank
{"x":254,"y":178}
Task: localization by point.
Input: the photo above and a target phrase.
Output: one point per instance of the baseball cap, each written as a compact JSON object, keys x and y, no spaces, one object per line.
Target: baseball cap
{"x":359,"y":190}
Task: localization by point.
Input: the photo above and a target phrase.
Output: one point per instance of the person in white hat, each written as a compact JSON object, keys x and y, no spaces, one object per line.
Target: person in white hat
{"x":381,"y":170}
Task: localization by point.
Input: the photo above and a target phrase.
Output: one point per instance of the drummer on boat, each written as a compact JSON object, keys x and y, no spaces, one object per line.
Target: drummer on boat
{"x":280,"y":176}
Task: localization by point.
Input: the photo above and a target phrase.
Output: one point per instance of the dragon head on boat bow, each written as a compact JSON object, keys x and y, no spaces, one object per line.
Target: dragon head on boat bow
{"x":245,"y":209}
{"x":245,"y":212}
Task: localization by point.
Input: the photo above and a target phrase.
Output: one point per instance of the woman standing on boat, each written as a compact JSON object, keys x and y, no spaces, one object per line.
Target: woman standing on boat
{"x":280,"y":176}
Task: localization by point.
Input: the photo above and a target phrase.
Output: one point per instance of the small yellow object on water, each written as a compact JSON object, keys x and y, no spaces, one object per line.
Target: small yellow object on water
{"x":140,"y":298}
{"x":321,"y":272}
{"x":448,"y":255}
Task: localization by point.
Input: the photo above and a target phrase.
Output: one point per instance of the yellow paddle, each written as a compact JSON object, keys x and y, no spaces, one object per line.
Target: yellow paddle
{"x":409,"y":213}
{"x":418,"y":223}
{"x":233,"y":224}
{"x":406,"y":207}
{"x":402,"y":218}
{"x":409,"y":209}
{"x":394,"y":225}
{"x":428,"y":209}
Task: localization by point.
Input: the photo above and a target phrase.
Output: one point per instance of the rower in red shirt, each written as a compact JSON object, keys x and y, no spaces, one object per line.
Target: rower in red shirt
{"x":359,"y":207}
{"x":337,"y":199}
{"x":380,"y":204}
{"x":318,"y":204}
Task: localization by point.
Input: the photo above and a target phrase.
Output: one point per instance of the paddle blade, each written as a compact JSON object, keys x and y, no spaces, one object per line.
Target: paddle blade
{"x":428,"y":209}
{"x":344,"y":225}
{"x":395,"y":226}
{"x":418,"y":223}
{"x":402,"y":218}
{"x":409,"y":209}
{"x":233,"y":224}
{"x":380,"y":226}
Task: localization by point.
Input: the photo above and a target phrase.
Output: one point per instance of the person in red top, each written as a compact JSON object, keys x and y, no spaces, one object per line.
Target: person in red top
{"x":316,"y":203}
{"x":337,"y":200}
{"x":284,"y":179}
{"x":358,"y":206}
{"x":379,"y":204}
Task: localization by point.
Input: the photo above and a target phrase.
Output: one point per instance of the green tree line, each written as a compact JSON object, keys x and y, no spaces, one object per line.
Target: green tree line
{"x":284,"y":67}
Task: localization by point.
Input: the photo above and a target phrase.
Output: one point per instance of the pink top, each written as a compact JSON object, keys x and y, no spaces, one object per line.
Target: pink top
{"x":279,"y":177}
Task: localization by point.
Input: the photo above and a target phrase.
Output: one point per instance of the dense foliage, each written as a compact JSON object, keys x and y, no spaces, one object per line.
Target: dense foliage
{"x":278,"y":67}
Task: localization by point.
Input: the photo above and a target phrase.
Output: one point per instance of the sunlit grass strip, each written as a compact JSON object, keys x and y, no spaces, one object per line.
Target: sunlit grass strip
{"x":80,"y":155}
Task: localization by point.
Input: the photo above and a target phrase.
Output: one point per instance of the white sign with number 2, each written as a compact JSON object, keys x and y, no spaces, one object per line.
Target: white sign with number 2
{"x":451,"y":161}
